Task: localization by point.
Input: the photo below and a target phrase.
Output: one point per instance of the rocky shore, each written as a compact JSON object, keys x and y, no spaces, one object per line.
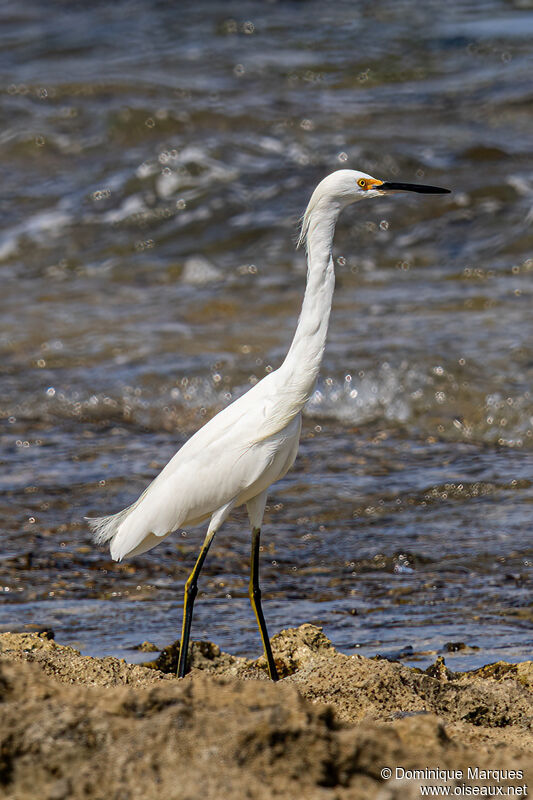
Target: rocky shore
{"x":335,"y":726}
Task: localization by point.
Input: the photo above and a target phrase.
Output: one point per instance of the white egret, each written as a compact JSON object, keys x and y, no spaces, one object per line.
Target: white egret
{"x":236,"y":456}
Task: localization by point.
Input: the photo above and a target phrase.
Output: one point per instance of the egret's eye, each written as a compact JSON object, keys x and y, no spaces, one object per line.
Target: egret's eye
{"x":362,"y":183}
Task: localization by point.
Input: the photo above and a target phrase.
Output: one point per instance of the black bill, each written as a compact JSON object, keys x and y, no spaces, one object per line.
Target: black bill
{"x":411,"y":187}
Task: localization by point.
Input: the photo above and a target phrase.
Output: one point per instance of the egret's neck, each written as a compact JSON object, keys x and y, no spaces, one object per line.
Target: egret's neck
{"x":302,"y":363}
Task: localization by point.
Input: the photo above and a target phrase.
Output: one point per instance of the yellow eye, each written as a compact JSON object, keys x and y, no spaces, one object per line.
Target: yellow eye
{"x":362,"y":183}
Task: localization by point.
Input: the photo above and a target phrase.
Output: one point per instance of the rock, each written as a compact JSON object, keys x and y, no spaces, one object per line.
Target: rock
{"x":146,"y":647}
{"x":326,"y":732}
{"x":198,"y":271}
{"x":204,"y":656}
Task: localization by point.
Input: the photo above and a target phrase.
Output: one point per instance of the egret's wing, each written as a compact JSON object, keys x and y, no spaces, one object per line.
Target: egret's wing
{"x":193,"y":491}
{"x":253,"y":417}
{"x":221,"y":462}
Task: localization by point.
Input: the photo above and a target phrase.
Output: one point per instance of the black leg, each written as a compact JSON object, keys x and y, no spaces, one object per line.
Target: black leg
{"x":255,"y":599}
{"x":191,"y":590}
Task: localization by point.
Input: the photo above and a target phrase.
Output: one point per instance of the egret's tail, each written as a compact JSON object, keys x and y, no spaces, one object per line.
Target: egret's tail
{"x":105,"y":528}
{"x":128,"y":534}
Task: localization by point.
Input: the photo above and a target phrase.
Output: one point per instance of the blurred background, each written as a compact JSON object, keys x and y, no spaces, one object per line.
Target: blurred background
{"x":155,"y":160}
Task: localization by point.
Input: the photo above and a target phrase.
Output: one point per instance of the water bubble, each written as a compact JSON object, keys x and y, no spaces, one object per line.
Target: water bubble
{"x":238,"y":69}
{"x":307,"y":125}
{"x":341,"y":261}
{"x":150,"y":123}
{"x":40,"y":141}
{"x":248,"y":27}
{"x":342,"y":156}
{"x":50,"y":391}
{"x":384,"y":225}
{"x":181,"y":204}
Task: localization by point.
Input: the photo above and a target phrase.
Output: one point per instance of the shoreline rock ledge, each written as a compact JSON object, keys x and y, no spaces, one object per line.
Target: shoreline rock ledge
{"x":74,"y":727}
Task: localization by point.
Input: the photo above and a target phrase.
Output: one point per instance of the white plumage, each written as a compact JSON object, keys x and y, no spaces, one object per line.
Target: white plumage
{"x":252,"y":443}
{"x":231,"y":459}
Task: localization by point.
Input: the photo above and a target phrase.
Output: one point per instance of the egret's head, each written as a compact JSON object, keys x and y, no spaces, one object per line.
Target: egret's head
{"x":346,"y":186}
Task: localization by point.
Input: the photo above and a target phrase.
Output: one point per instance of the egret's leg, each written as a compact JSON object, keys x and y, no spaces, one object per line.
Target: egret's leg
{"x":255,"y":599}
{"x":191,"y":590}
{"x":191,"y":587}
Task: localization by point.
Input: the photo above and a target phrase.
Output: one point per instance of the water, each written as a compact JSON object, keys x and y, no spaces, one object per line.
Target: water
{"x":138,"y":137}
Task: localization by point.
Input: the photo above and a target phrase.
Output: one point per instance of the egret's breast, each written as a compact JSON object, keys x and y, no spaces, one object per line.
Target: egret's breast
{"x":277,"y":454}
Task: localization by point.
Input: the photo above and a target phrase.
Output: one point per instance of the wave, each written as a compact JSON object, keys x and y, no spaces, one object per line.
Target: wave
{"x":424,"y":401}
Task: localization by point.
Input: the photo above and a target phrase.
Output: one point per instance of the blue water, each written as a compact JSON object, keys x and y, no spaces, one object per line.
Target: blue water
{"x":138,"y":137}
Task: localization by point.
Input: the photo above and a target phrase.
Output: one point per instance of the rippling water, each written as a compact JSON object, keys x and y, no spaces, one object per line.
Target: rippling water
{"x":155,"y":161}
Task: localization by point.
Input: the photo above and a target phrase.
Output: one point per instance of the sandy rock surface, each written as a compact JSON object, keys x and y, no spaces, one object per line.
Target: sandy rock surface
{"x":72,"y":726}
